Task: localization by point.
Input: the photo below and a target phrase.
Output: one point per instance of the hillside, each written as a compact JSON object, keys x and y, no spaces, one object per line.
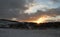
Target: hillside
{"x":27,"y":25}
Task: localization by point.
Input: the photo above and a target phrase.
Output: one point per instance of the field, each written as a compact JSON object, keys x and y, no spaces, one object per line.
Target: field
{"x":29,"y":33}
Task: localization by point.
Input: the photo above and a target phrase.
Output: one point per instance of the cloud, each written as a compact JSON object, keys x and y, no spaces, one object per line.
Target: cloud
{"x":54,"y":19}
{"x":37,"y":5}
{"x":20,"y":9}
{"x":55,"y":0}
{"x":33,"y":8}
{"x":11,"y":3}
{"x":11,"y":8}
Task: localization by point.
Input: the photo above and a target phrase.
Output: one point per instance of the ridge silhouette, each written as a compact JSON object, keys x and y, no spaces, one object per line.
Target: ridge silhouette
{"x":4,"y":23}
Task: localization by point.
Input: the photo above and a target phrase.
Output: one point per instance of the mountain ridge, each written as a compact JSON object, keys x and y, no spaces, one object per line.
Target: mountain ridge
{"x":4,"y":23}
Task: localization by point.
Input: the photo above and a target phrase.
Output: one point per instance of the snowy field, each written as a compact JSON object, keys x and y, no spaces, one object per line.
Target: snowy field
{"x":29,"y":33}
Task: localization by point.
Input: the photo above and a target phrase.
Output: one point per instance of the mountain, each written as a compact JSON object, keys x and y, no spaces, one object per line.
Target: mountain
{"x":52,"y":25}
{"x":4,"y":23}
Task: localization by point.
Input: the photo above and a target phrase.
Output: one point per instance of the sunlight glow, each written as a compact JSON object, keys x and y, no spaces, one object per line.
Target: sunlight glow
{"x":42,"y":19}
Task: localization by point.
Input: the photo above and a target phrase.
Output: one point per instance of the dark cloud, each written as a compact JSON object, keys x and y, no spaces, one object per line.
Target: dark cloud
{"x":11,"y":8}
{"x":51,"y":12}
{"x":14,"y":9}
{"x":57,"y":11}
{"x":56,"y":1}
{"x":12,"y":3}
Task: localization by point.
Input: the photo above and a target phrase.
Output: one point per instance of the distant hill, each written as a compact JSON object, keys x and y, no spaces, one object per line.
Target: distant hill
{"x":4,"y":23}
{"x":53,"y":25}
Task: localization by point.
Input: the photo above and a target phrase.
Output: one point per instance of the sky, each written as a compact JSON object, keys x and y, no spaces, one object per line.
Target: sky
{"x":42,"y":5}
{"x":27,"y":10}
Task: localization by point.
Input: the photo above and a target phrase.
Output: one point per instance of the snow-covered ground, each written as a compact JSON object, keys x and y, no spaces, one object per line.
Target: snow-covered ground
{"x":29,"y":33}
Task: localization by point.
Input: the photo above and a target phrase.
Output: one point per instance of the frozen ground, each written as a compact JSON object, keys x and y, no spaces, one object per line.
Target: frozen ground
{"x":29,"y":33}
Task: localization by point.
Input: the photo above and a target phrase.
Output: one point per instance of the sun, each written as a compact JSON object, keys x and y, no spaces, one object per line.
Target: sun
{"x":41,"y":19}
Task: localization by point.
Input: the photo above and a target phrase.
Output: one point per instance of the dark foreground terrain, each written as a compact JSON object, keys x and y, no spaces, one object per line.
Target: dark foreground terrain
{"x":28,"y":25}
{"x":29,"y":33}
{"x":10,"y":28}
